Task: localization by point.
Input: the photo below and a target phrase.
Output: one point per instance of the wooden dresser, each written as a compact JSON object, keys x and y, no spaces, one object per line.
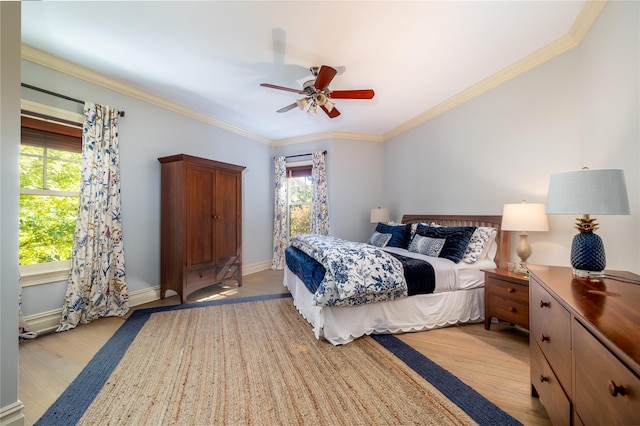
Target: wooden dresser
{"x":585,"y":346}
{"x":200,"y":224}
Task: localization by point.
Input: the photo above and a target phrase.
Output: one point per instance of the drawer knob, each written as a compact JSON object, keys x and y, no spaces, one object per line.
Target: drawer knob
{"x":511,"y":290}
{"x":544,"y":338}
{"x":512,"y":309}
{"x":544,"y":304}
{"x":543,"y":378}
{"x":616,"y":390}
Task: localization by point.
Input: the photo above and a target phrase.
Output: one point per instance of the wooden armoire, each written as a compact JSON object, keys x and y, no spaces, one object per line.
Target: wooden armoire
{"x":200,"y":224}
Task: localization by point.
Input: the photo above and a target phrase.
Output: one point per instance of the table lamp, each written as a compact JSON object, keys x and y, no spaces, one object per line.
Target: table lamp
{"x":524,"y":217}
{"x":379,"y":215}
{"x":588,"y":192}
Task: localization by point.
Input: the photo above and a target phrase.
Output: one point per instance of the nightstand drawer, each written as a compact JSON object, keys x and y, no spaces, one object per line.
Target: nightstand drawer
{"x":508,"y":290}
{"x":506,"y":297}
{"x":509,"y":310}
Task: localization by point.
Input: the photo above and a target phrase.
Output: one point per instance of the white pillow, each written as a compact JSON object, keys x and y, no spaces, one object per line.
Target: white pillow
{"x":379,"y":239}
{"x":426,"y":245}
{"x":479,"y":244}
{"x":490,"y":250}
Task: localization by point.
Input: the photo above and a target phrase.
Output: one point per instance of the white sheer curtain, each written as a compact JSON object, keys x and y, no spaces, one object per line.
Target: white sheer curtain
{"x":280,"y":232}
{"x":319,"y":195}
{"x":96,"y":285}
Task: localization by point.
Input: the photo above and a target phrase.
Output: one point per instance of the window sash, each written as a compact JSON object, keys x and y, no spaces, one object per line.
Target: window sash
{"x":36,"y":130}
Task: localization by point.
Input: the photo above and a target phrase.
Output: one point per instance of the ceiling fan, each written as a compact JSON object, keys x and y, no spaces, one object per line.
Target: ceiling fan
{"x":317,"y":93}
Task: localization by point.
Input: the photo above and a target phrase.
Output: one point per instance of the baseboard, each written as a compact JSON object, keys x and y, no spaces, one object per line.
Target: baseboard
{"x":11,"y":415}
{"x":47,"y":322}
{"x":255,"y":267}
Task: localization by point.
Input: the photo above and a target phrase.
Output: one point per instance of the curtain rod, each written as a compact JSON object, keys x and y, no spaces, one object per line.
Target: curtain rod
{"x":303,"y":155}
{"x":49,"y":92}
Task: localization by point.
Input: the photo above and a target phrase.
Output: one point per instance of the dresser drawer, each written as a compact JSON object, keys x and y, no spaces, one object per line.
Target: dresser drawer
{"x":551,"y":329}
{"x":549,"y":389}
{"x":597,"y":372}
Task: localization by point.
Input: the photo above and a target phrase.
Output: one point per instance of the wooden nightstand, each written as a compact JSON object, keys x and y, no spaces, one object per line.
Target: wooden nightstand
{"x":506,"y":297}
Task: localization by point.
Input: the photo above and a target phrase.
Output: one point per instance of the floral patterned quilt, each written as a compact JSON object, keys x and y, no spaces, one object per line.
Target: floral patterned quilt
{"x":356,"y":273}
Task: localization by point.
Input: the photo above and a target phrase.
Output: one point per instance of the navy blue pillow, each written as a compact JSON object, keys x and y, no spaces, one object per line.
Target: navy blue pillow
{"x":457,"y":239}
{"x":399,"y":234}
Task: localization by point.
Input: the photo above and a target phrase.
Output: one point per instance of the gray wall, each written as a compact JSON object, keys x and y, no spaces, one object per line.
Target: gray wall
{"x":146,"y":133}
{"x":579,"y":109}
{"x":9,"y":183}
{"x":355,"y":180}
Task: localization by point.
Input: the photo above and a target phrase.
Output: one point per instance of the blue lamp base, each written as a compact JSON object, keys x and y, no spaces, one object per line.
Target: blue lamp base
{"x":587,"y":254}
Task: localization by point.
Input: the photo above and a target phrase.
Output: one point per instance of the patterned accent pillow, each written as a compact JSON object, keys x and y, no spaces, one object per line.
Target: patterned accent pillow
{"x":379,"y":240}
{"x":427,"y":245}
{"x":399,"y":234}
{"x":457,"y":239}
{"x":478,"y":243}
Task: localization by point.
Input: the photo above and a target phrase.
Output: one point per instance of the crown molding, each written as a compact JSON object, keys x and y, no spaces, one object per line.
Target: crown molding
{"x":585,"y":19}
{"x":58,"y":64}
{"x":328,"y":135}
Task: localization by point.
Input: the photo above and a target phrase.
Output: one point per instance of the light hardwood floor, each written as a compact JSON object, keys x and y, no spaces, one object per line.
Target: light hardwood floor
{"x":495,"y":363}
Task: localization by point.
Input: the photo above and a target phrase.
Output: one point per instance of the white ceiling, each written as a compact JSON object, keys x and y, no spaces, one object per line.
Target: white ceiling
{"x":211,"y":56}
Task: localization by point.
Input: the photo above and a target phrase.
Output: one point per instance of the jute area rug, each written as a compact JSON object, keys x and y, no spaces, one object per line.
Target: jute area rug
{"x":251,"y":363}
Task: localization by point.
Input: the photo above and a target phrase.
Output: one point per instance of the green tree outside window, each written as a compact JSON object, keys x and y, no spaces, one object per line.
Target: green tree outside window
{"x":299,"y":205}
{"x":49,"y":183}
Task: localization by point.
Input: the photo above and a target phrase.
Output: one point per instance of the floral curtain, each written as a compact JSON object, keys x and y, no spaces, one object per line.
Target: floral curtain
{"x":280,"y":231}
{"x":97,"y":286}
{"x":319,"y":195}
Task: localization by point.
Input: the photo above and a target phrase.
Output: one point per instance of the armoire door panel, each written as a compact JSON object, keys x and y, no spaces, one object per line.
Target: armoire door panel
{"x":227,"y":212}
{"x":200,"y":211}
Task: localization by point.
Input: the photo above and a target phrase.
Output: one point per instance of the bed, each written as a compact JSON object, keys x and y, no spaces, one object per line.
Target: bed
{"x":460,"y":302}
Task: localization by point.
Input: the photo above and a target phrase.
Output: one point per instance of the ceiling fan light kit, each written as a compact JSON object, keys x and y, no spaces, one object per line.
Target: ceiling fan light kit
{"x":317,"y":93}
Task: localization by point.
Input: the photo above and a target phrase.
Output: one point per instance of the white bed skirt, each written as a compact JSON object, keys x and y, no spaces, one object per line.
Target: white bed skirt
{"x":340,"y":325}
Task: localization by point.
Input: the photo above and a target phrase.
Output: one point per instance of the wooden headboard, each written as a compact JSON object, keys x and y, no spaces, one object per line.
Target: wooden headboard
{"x":503,"y":239}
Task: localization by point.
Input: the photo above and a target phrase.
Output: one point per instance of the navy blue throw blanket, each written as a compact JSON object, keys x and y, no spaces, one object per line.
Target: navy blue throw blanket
{"x":420,"y":276}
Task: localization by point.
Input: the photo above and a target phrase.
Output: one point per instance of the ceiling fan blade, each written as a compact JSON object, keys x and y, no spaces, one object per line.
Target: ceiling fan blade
{"x":333,"y":113}
{"x":273,"y":86}
{"x":352,"y":94}
{"x":325,"y":75}
{"x":288,"y":107}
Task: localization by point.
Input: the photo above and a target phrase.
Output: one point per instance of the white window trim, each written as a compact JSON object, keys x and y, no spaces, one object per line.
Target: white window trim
{"x":45,"y":273}
{"x":51,"y":111}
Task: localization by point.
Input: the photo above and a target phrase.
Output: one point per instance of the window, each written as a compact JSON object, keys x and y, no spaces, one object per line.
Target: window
{"x":50,"y":173}
{"x":299,"y":190}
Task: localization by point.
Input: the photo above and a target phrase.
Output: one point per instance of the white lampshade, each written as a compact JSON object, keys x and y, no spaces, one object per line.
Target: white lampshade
{"x":302,"y":103}
{"x":588,"y":192}
{"x":329,"y":105}
{"x":524,"y":217}
{"x":379,"y":215}
{"x":312,"y":111}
